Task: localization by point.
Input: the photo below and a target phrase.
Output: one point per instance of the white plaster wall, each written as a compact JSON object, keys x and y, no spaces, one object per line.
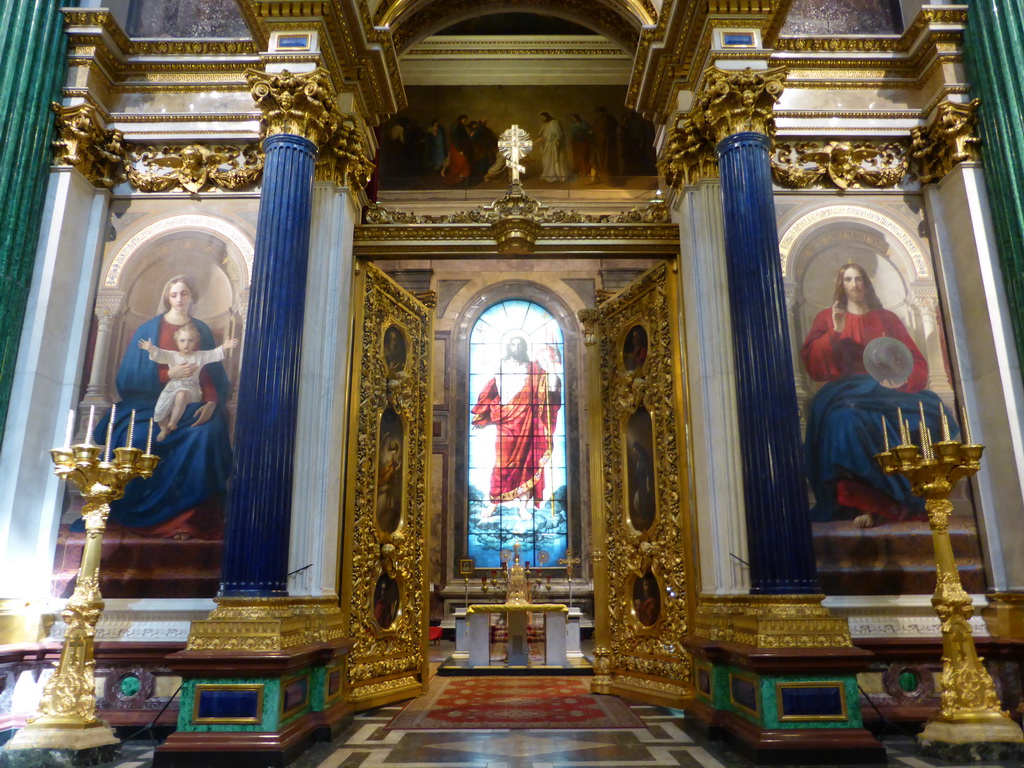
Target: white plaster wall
{"x":46,"y":380}
{"x":985,"y":357}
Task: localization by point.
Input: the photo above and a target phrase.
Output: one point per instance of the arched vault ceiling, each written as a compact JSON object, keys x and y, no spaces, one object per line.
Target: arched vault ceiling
{"x":413,"y":20}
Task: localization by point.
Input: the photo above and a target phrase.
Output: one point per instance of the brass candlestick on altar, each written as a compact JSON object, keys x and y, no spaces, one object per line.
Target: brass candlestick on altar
{"x":569,"y":561}
{"x":67,"y":717}
{"x":970,"y":720}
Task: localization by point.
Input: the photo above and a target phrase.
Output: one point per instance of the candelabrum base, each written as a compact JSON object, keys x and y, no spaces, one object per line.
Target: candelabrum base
{"x":998,"y":738}
{"x":63,"y":747}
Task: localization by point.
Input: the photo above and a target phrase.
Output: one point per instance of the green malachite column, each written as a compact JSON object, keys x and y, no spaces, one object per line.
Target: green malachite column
{"x":994,"y":48}
{"x":32,"y":65}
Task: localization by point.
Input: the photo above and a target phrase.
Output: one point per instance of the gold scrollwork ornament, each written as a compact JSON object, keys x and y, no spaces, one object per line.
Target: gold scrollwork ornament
{"x":85,"y":144}
{"x":950,"y":140}
{"x":193,"y":167}
{"x":844,"y":164}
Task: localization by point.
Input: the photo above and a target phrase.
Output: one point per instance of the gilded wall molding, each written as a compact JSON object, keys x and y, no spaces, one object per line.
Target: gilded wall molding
{"x":951,"y":139}
{"x":193,"y":167}
{"x":654,"y":212}
{"x":846,"y":165}
{"x":84,"y":143}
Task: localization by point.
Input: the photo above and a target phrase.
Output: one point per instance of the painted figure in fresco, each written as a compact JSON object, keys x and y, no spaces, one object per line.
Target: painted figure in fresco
{"x":582,"y":140}
{"x":844,"y":428}
{"x":385,"y":601}
{"x":180,"y":392}
{"x":183,"y":498}
{"x":436,"y":146}
{"x":634,"y":351}
{"x":604,"y":156}
{"x":522,"y":400}
{"x":554,"y":161}
{"x":646,"y":599}
{"x":456,"y":168}
{"x":389,"y":482}
{"x":641,"y":487}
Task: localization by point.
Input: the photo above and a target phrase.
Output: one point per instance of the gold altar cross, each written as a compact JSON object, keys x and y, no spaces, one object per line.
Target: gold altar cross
{"x":569,"y":561}
{"x":515,"y":144}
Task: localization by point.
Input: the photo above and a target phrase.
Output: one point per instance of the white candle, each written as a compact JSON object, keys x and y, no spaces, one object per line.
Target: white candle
{"x":70,"y":431}
{"x":110,"y":431}
{"x":92,"y":422}
{"x":131,"y":429}
{"x":149,"y":438}
{"x":885,"y":435}
{"x":967,"y":427}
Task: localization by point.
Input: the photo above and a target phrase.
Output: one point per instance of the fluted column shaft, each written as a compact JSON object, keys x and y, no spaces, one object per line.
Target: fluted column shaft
{"x":260,"y":496}
{"x":32,"y":47}
{"x":778,"y":531}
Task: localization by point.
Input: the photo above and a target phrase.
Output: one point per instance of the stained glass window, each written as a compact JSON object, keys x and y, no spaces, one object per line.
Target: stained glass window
{"x":517,"y":468}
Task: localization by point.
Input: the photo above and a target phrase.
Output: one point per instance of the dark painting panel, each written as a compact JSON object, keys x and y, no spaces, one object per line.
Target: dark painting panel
{"x":640,"y":486}
{"x":390,"y":452}
{"x":447,"y":138}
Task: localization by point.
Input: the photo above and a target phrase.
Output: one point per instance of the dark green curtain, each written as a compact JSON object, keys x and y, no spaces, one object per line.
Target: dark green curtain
{"x":32,"y":64}
{"x":994,"y":48}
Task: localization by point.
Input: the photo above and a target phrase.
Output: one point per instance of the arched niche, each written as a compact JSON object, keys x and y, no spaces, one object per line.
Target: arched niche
{"x":216,"y":252}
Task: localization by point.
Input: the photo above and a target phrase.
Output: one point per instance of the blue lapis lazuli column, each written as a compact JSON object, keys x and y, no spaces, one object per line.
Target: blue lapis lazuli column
{"x":260,"y":496}
{"x":778,"y":529}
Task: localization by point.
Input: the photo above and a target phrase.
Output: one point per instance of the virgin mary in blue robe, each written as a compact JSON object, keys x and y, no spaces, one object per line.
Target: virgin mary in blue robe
{"x":195,"y":461}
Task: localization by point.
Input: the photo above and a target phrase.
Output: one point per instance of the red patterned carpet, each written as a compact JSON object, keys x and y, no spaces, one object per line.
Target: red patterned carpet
{"x":513,"y":702}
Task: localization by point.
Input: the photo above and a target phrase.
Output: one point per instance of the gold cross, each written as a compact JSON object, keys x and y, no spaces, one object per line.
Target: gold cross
{"x":569,"y":561}
{"x":515,"y":144}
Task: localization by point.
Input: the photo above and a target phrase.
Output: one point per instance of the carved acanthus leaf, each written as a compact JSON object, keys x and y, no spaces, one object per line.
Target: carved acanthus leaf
{"x":86,"y":144}
{"x":736,"y":101}
{"x":950,"y":140}
{"x":300,"y":104}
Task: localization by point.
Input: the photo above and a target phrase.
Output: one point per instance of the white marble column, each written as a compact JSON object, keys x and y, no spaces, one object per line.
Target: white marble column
{"x":982,"y":343}
{"x":323,"y":396}
{"x":46,"y":379}
{"x":108,"y":309}
{"x":717,"y":475}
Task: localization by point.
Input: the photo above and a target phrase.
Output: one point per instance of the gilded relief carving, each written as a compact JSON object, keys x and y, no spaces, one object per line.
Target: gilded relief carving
{"x":950,"y":140}
{"x":84,"y":143}
{"x":846,"y":165}
{"x":387,"y":505}
{"x":193,"y":167}
{"x":645,"y":492}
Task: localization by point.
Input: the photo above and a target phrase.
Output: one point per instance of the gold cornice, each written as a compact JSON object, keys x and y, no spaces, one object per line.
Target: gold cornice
{"x":84,"y":143}
{"x":359,"y":57}
{"x":301,"y":104}
{"x":949,"y":140}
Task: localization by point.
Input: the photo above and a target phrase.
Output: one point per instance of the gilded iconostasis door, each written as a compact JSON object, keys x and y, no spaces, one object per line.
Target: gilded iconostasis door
{"x":644,"y":578}
{"x":385,"y":510}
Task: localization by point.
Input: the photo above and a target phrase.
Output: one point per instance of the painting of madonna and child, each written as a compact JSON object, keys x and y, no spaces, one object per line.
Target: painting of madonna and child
{"x":517,"y":449}
{"x":173,"y":357}
{"x":871,"y":347}
{"x":447,"y":138}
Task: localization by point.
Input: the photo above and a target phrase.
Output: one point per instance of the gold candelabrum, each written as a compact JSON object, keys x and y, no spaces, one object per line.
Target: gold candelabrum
{"x":969,"y":710}
{"x":67,"y":710}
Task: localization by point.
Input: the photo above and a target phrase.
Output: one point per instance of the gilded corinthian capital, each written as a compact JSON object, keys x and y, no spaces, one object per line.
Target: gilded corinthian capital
{"x":84,"y":143}
{"x":950,"y":140}
{"x":736,"y":101}
{"x":688,"y":156}
{"x":298,"y":104}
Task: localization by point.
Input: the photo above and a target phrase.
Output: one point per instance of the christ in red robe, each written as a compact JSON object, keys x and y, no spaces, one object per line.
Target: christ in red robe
{"x":522,"y":401}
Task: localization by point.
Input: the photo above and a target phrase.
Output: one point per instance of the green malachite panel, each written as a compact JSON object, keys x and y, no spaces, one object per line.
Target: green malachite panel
{"x":994,"y":47}
{"x":32,"y":65}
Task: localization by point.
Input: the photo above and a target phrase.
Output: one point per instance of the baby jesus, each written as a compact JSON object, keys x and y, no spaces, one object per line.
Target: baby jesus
{"x":178,"y":393}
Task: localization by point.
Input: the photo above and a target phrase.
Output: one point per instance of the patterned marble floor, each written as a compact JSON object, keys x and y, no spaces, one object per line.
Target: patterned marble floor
{"x":667,"y":740}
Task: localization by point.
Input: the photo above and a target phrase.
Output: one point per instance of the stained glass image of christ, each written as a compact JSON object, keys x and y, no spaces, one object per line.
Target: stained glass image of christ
{"x":517,"y":476}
